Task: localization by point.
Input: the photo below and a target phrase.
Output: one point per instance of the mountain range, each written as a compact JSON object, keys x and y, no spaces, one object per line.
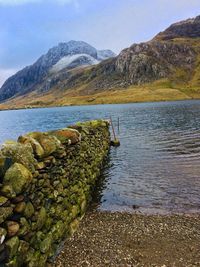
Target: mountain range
{"x":164,"y":68}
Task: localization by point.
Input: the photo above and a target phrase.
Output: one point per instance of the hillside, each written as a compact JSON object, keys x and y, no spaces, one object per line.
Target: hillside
{"x":165,"y":68}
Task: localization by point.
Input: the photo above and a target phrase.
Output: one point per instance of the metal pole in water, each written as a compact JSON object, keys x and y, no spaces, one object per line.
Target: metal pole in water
{"x":118,"y":125}
{"x":113,"y":128}
{"x":115,"y":142}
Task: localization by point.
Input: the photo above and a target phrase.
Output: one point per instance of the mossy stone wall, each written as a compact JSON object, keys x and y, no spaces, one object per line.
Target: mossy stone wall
{"x":46,"y":184}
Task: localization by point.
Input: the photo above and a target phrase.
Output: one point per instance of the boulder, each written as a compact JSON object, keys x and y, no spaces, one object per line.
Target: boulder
{"x":18,"y":176}
{"x":67,"y":135}
{"x":37,"y":148}
{"x":20,"y":153}
{"x":49,"y":143}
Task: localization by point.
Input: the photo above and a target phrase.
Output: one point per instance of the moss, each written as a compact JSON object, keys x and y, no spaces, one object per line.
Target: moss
{"x":20,"y":153}
{"x":3,"y":200}
{"x":41,"y":218}
{"x":8,"y":191}
{"x":24,"y":227}
{"x":49,"y":143}
{"x":18,"y":176}
{"x":58,"y":230}
{"x":45,"y":245}
{"x":52,"y":202}
{"x":29,"y":210}
{"x":5,"y":212}
{"x":12,"y":246}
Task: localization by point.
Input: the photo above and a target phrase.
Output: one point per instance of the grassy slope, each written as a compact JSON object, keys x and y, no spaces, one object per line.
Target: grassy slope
{"x":181,"y":85}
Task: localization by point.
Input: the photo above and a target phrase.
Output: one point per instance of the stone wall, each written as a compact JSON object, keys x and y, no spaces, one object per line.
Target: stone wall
{"x":46,"y":184}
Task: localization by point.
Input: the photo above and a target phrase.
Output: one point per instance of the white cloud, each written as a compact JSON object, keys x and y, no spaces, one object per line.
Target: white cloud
{"x":22,"y":2}
{"x":5,"y":74}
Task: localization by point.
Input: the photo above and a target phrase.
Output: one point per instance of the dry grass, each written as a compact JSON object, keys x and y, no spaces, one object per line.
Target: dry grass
{"x":158,"y":91}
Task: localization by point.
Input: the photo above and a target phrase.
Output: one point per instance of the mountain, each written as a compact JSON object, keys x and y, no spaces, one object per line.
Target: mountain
{"x":164,"y":68}
{"x":64,"y":56}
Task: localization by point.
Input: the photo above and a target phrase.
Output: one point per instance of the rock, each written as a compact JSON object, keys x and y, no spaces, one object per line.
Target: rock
{"x":58,"y":230}
{"x":20,"y":207}
{"x":45,"y":245}
{"x":29,"y":210}
{"x":24,"y":227}
{"x":37,"y":148}
{"x":12,"y":246}
{"x":48,"y":142}
{"x":67,"y":135}
{"x":18,"y":176}
{"x":23,"y":247}
{"x":5,"y":212}
{"x":3,"y":234}
{"x":40,"y":166}
{"x":18,"y":199}
{"x":3,"y":200}
{"x":41,"y":218}
{"x":12,"y":228}
{"x":20,"y":153}
{"x":8,"y":191}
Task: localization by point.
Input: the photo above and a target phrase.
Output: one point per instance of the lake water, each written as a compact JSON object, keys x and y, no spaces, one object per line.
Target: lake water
{"x":157,"y":167}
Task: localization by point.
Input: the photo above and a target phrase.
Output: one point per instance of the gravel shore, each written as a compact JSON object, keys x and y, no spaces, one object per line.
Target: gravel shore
{"x":126,"y":240}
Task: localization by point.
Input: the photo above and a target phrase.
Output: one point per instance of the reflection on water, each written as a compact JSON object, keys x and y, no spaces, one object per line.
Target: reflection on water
{"x":157,"y":166}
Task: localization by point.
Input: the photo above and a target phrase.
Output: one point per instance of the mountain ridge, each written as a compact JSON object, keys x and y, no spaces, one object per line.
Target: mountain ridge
{"x":164,"y":68}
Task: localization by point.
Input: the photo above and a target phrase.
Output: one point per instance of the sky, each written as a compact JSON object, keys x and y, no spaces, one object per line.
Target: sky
{"x":29,"y":28}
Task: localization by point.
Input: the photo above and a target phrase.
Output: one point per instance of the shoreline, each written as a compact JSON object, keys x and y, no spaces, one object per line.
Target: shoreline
{"x":124,"y":239}
{"x":98,"y":104}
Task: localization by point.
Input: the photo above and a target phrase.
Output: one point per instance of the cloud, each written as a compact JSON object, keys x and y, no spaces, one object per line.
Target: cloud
{"x":23,"y":2}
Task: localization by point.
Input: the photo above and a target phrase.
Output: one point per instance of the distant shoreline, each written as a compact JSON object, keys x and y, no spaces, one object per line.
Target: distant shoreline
{"x":93,"y":104}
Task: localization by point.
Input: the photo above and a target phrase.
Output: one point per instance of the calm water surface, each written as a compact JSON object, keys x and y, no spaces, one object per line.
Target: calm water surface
{"x":157,"y":167}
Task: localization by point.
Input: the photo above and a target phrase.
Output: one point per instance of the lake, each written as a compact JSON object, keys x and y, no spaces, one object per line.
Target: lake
{"x":157,"y":167}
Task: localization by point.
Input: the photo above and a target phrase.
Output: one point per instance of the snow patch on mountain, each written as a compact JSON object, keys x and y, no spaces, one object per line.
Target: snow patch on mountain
{"x":73,"y":61}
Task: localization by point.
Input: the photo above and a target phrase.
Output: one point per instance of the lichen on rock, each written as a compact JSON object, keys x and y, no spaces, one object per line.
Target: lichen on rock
{"x":18,"y":177}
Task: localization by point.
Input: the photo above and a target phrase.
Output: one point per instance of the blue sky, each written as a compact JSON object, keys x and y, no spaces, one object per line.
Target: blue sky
{"x":28,"y":28}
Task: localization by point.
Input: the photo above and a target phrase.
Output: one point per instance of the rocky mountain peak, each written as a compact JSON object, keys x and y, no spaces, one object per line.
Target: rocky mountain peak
{"x":189,"y":28}
{"x":63,"y":56}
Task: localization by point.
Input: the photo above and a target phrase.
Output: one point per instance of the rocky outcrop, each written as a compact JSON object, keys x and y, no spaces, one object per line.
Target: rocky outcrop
{"x":151,"y":61}
{"x":185,"y":29}
{"x":41,"y":203}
